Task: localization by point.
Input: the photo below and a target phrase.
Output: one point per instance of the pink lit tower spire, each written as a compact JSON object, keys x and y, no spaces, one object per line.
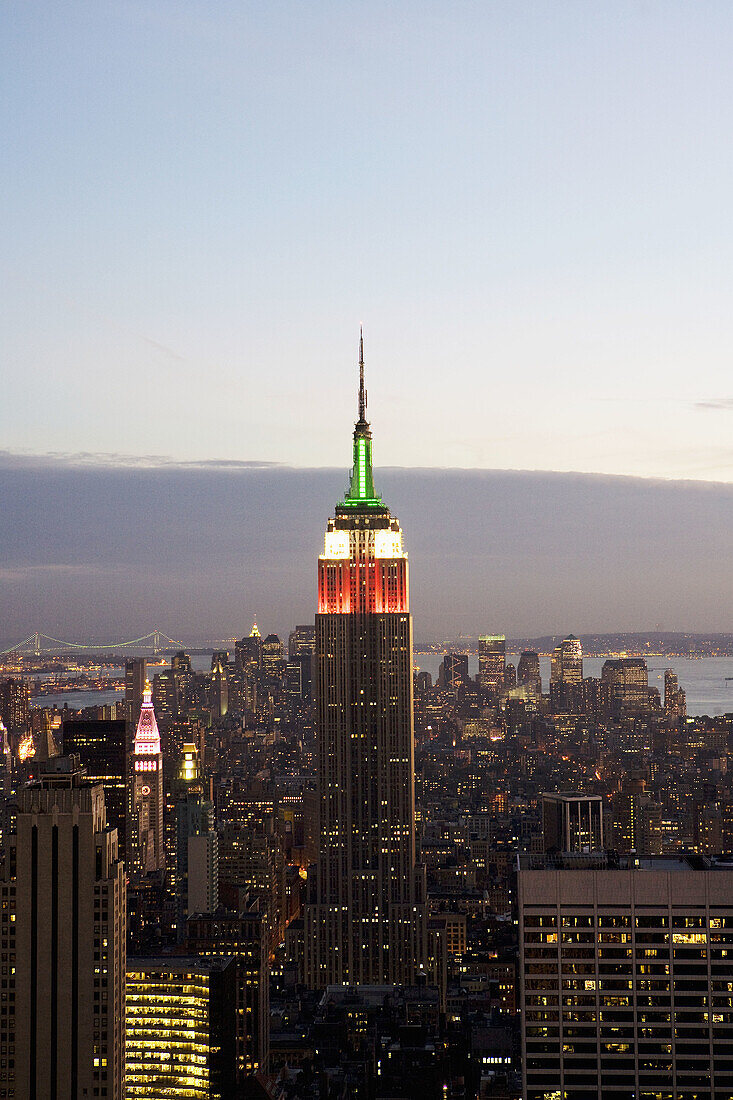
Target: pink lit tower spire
{"x":147,"y":734}
{"x":145,"y":830}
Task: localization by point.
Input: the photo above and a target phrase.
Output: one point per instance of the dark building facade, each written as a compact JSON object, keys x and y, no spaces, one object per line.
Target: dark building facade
{"x":100,"y":745}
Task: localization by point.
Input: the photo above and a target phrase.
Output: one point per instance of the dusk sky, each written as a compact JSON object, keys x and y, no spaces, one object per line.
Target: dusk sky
{"x":527,"y":205}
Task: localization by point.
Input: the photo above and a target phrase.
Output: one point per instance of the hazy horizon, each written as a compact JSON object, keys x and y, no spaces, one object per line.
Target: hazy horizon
{"x":201,"y":550}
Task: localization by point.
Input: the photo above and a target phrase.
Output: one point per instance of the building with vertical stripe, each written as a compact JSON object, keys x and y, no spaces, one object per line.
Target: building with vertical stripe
{"x":62,"y":945}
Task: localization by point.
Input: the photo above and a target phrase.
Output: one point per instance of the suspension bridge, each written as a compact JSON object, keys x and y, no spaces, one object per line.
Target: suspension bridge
{"x":39,"y":643}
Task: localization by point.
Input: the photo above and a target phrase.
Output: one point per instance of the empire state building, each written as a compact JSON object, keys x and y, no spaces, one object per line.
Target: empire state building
{"x":365,"y":917}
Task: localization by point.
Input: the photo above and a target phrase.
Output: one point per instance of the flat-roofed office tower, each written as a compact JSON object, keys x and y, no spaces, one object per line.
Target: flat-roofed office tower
{"x":62,"y":1012}
{"x":135,"y":677}
{"x":365,"y":921}
{"x":627,"y":989}
{"x":566,"y":664}
{"x":491,"y":661}
{"x":572,"y":823}
{"x":100,"y":745}
{"x":528,"y":669}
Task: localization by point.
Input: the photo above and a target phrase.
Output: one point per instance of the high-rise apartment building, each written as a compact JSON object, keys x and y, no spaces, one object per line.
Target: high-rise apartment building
{"x":145,"y":795}
{"x":62,"y":944}
{"x":365,"y":920}
{"x":491,"y":661}
{"x":626,"y":980}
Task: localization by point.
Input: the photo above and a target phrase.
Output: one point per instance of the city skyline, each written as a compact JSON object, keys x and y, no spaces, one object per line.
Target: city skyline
{"x":526,"y":207}
{"x":437,"y":807}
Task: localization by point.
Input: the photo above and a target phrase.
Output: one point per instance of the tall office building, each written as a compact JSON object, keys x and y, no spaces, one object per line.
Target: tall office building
{"x":627,"y":679}
{"x":135,"y":680}
{"x":491,"y":661}
{"x":15,"y":703}
{"x":248,"y":651}
{"x":197,"y":848}
{"x":219,"y":686}
{"x":572,"y":822}
{"x":674,"y":696}
{"x":301,"y":641}
{"x":273,"y":660}
{"x":243,"y":936}
{"x":626,"y":980}
{"x":100,"y":746}
{"x":528,"y":669}
{"x":566,"y":665}
{"x":6,"y":762}
{"x":566,"y":675}
{"x":365,"y":920}
{"x":145,"y":795}
{"x":301,"y":652}
{"x":181,"y":1028}
{"x":453,"y":671}
{"x":62,"y":950}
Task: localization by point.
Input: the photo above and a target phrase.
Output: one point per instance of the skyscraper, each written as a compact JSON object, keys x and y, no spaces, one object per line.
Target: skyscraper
{"x":100,"y":746}
{"x":567,"y":662}
{"x":625,"y":973}
{"x":628,"y":681}
{"x":14,"y":703}
{"x":134,"y":687}
{"x":145,"y":829}
{"x":674,"y":695}
{"x":572,"y":822}
{"x":566,"y":675}
{"x":181,"y":1028}
{"x":197,"y":850}
{"x":528,"y":669}
{"x":63,"y":944}
{"x":365,"y":920}
{"x":491,"y":661}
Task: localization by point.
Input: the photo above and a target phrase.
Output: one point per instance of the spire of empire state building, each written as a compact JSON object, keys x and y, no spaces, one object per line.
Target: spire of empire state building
{"x":361,"y":492}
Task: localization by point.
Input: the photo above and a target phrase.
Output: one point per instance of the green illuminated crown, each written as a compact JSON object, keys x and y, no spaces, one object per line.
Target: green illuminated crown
{"x":361,"y":492}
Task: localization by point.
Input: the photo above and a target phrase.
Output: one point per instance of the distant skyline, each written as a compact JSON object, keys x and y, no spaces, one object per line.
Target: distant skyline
{"x":528,"y":206}
{"x":109,"y":553}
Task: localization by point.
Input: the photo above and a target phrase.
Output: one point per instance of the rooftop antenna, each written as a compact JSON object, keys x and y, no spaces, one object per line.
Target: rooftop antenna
{"x":362,"y":391}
